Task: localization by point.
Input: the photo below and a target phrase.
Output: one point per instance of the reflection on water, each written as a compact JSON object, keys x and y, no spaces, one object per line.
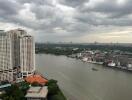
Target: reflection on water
{"x":79,"y":82}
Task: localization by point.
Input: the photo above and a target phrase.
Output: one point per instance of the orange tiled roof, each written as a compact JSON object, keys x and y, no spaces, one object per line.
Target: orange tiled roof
{"x":36,"y":78}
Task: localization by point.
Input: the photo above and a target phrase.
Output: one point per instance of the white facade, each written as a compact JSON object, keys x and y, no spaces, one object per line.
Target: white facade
{"x":27,"y":54}
{"x":17,"y":51}
{"x":6,"y":68}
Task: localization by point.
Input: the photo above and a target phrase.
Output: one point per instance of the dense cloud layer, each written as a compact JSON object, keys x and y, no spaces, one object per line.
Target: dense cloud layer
{"x":70,"y":20}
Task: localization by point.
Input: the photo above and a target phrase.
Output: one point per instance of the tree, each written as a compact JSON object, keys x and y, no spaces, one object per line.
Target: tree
{"x":13,"y":93}
{"x":52,"y":86}
{"x":54,"y":91}
{"x":24,"y":86}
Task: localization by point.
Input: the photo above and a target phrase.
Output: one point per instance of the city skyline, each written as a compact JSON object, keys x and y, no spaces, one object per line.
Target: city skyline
{"x":83,"y":21}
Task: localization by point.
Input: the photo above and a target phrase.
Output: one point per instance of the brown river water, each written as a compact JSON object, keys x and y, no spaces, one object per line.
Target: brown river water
{"x":78,"y":81}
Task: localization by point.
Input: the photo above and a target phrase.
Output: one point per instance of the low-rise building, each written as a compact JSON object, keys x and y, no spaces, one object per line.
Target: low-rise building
{"x":37,"y":93}
{"x":36,"y":79}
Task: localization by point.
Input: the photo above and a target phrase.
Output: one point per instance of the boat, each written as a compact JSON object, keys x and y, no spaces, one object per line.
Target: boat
{"x":94,"y":69}
{"x":85,"y":59}
{"x":111,"y":64}
{"x":99,"y":63}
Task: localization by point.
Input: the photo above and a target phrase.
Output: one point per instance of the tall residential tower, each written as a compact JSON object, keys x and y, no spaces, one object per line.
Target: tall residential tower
{"x":6,"y":66}
{"x":19,"y":49}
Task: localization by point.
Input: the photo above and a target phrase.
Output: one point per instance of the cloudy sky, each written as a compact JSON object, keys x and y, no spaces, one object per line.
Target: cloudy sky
{"x":70,"y":20}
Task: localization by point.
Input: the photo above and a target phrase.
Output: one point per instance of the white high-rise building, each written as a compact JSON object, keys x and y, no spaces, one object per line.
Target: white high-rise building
{"x":19,"y":50}
{"x":6,"y":68}
{"x":27,"y":55}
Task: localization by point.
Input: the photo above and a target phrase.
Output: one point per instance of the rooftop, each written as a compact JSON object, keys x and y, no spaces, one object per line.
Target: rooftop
{"x":35,"y":92}
{"x":36,"y":78}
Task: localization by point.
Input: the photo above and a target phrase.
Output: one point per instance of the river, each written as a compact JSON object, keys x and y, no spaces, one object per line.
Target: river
{"x":79,"y":82}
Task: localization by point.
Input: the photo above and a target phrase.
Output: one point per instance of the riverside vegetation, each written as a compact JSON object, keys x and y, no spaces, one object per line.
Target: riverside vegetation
{"x":69,"y":49}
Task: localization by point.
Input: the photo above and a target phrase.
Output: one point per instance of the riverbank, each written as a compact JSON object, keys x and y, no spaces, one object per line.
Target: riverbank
{"x":92,"y":62}
{"x":57,"y":51}
{"x":110,"y":55}
{"x":125,"y":69}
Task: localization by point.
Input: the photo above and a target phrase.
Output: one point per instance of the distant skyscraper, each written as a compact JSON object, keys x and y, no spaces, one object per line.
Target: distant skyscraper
{"x":21,"y":50}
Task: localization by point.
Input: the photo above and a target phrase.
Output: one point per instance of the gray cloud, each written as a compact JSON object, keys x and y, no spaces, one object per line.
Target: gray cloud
{"x":73,"y":3}
{"x":8,"y":7}
{"x":57,"y":19}
{"x":110,"y":7}
{"x":37,"y":2}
